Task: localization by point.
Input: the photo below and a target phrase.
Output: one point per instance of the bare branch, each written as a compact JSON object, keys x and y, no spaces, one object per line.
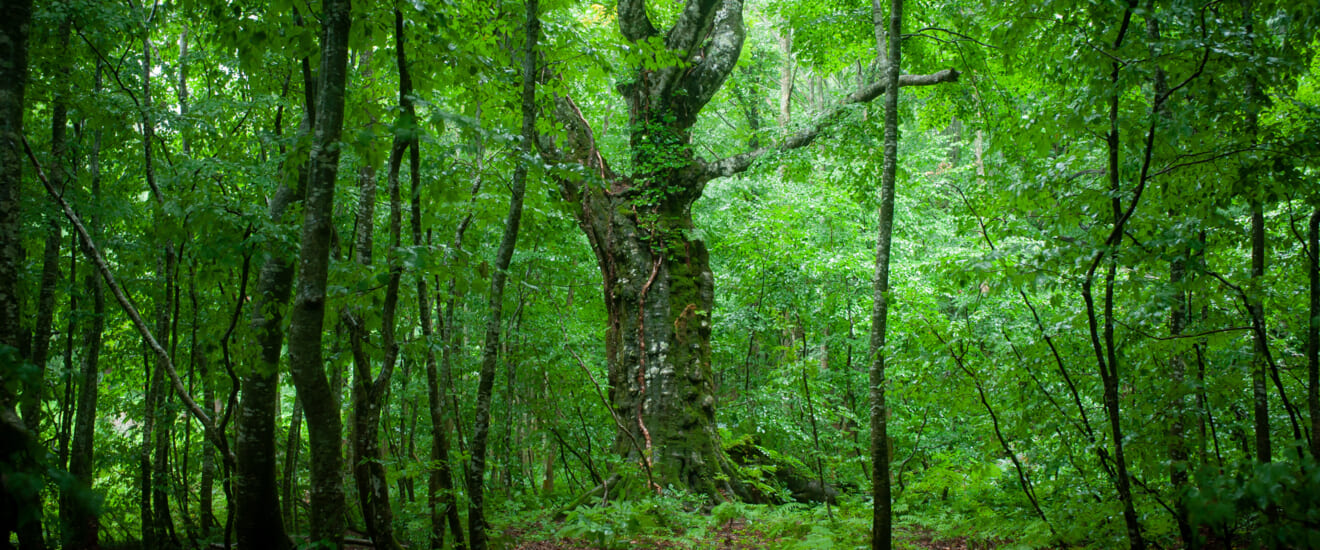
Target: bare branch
{"x":944,"y":30}
{"x":578,"y":146}
{"x":216,"y":437}
{"x":741,"y":162}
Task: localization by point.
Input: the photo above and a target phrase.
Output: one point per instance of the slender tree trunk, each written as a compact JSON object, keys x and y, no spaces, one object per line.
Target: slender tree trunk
{"x":70,"y":401}
{"x":368,"y":391}
{"x":881,"y":447}
{"x":786,"y":73}
{"x":440,"y":498}
{"x":163,"y":427}
{"x":1313,"y":335}
{"x":1178,"y":464}
{"x":477,"y":469}
{"x":1259,"y":366}
{"x":156,"y":516}
{"x":1177,"y":450}
{"x":289,"y":481}
{"x":1105,"y":352}
{"x":1259,"y":388}
{"x":440,"y":398}
{"x":50,"y":263}
{"x":77,"y":509}
{"x":50,"y":268}
{"x":305,"y":330}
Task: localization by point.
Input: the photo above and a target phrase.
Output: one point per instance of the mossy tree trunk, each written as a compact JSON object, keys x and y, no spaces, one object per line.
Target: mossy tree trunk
{"x":659,"y":292}
{"x":657,"y":282}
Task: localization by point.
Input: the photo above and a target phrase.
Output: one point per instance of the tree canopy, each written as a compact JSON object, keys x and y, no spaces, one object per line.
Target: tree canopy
{"x":761,"y":273}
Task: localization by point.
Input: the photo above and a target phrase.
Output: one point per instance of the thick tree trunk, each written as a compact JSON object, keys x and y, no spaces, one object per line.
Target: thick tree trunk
{"x":324,"y":425}
{"x":657,"y":279}
{"x":258,"y":522}
{"x":19,"y":509}
{"x":658,"y":295}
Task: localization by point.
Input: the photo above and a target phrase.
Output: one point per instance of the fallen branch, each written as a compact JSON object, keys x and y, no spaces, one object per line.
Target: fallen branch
{"x":164,"y":356}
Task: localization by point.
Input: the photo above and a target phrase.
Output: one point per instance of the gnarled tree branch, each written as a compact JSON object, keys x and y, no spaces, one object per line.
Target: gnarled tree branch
{"x":633,"y":20}
{"x":717,"y":62}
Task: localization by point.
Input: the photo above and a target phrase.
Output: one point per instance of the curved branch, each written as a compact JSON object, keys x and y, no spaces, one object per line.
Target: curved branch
{"x":957,"y":34}
{"x":693,"y":24}
{"x":577,"y":146}
{"x":720,"y":57}
{"x":215,"y":436}
{"x":633,"y":21}
{"x":741,"y":162}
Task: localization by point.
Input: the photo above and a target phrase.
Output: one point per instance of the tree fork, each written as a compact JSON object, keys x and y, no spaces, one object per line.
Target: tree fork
{"x":624,"y":220}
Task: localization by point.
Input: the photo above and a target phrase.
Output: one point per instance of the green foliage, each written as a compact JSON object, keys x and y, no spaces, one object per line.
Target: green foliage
{"x":619,"y":523}
{"x":1004,"y":202}
{"x":1239,"y":504}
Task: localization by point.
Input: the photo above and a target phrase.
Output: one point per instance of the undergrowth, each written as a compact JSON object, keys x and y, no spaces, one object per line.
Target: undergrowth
{"x":678,"y":520}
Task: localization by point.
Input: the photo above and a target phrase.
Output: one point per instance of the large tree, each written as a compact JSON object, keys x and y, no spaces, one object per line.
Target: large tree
{"x":658,"y":284}
{"x":19,"y":493}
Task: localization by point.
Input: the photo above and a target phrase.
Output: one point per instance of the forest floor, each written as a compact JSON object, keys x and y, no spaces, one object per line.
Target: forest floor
{"x":736,"y":534}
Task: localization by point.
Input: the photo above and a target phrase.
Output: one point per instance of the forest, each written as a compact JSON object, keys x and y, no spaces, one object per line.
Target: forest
{"x":557,"y":274}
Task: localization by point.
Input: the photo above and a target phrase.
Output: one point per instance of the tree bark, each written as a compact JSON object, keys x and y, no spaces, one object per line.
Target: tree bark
{"x":19,"y":508}
{"x":77,"y":510}
{"x":1105,"y":352}
{"x":481,"y":424}
{"x":441,"y":502}
{"x":881,"y":447}
{"x":786,"y":73}
{"x":1259,"y":363}
{"x":657,"y":282}
{"x":305,"y":330}
{"x":259,"y":520}
{"x":289,"y":479}
{"x":1259,"y":388}
{"x":1313,"y":335}
{"x":369,"y":392}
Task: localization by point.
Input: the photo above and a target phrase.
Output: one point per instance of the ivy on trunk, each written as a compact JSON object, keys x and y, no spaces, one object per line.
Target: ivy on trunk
{"x":658,"y":285}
